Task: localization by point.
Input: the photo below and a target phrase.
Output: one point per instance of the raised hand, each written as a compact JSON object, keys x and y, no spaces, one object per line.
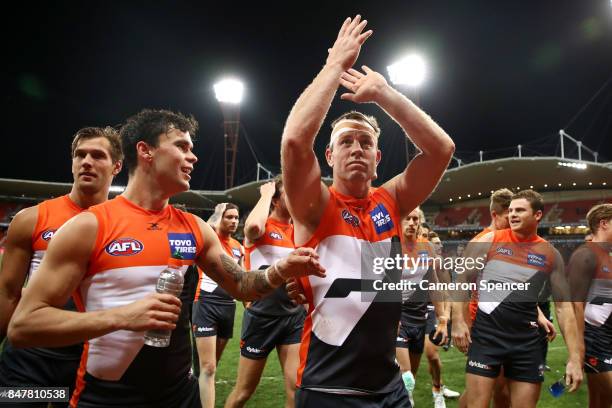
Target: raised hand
{"x":267,"y":189}
{"x":363,"y":87}
{"x":348,"y":44}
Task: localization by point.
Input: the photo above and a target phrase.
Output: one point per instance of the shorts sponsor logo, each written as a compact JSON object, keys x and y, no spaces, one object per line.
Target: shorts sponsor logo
{"x":536,"y":259}
{"x":381,"y":218}
{"x":276,"y":235}
{"x":47,"y":234}
{"x":478,"y":364}
{"x":533,"y":325}
{"x":204,"y":329}
{"x":254,"y":350}
{"x":349,"y":218}
{"x":608,"y":360}
{"x":124,"y":247}
{"x":183,"y":244}
{"x":403,"y":340}
{"x":505,"y":251}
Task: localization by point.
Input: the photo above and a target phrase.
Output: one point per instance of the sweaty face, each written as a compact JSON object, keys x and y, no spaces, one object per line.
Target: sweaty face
{"x":411,"y":225}
{"x":353,"y":152}
{"x":173,"y":161}
{"x":92,"y":165}
{"x":229,"y":222}
{"x":522,"y":217}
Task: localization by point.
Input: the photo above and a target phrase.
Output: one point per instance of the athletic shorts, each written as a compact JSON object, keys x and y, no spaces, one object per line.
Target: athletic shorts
{"x":102,"y":394}
{"x":398,"y":398}
{"x":261,"y":334}
{"x":210,"y":319}
{"x":522,"y":360}
{"x":21,"y":368}
{"x":598,"y":350}
{"x":412,"y":337}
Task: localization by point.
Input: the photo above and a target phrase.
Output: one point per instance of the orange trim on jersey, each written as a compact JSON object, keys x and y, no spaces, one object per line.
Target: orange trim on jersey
{"x":133,"y":221}
{"x":473,"y":306}
{"x":332,"y":224}
{"x":80,"y":378}
{"x":52,"y":214}
{"x":228,"y":245}
{"x":306,"y":331}
{"x":272,"y":226}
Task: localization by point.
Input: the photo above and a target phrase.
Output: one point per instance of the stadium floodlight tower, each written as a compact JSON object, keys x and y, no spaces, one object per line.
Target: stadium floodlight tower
{"x":410,"y":71}
{"x":229,"y":94}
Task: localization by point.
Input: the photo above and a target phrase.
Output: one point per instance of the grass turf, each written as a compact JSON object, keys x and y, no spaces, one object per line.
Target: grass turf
{"x":270,"y":392}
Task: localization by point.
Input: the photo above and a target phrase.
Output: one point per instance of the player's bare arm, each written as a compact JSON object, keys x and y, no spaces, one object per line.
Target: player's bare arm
{"x":421,"y":176}
{"x":306,"y":194}
{"x":252,"y":285}
{"x":567,"y":323}
{"x":39,"y":319}
{"x":477,"y":248}
{"x":15,"y":263}
{"x":255,"y":224}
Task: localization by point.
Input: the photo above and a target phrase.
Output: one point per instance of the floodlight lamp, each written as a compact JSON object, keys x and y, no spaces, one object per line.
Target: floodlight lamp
{"x":409,"y":71}
{"x":229,"y":91}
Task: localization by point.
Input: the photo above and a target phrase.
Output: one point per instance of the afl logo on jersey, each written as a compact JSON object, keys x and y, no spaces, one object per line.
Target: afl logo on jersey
{"x":48,"y":234}
{"x":124,"y":247}
{"x":276,"y":235}
{"x":349,"y":218}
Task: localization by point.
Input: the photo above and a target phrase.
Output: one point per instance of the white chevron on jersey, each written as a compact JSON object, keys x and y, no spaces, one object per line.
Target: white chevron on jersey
{"x":110,"y":355}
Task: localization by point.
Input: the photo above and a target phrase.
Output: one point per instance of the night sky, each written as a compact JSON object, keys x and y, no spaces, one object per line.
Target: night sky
{"x":498,"y":74}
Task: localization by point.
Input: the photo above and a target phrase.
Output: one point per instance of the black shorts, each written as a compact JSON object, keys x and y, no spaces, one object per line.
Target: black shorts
{"x":210,"y":319}
{"x":261,"y":334}
{"x":522,"y":360}
{"x":398,"y":398}
{"x":412,"y":337}
{"x":21,"y":368}
{"x":598,"y":349}
{"x":101,"y":394}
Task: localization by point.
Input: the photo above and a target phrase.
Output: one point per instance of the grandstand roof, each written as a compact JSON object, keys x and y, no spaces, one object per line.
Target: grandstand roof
{"x":524,"y":172}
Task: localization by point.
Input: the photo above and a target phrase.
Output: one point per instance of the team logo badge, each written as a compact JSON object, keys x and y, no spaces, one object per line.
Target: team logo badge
{"x":593,"y":361}
{"x":349,"y":218}
{"x":275,"y":235}
{"x":236,"y":252}
{"x":124,"y":247}
{"x":183,"y":244}
{"x":48,"y":234}
{"x":505,"y":251}
{"x":381,"y":218}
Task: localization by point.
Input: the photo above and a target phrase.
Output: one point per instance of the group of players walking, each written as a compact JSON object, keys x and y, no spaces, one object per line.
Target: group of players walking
{"x":90,"y":294}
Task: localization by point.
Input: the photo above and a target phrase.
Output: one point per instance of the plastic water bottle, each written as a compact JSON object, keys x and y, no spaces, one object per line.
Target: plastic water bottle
{"x":170,"y":282}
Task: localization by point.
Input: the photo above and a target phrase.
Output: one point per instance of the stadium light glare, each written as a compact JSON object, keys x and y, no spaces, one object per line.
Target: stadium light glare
{"x":545,"y":185}
{"x":229,"y":91}
{"x":559,"y":184}
{"x":579,"y":166}
{"x":573,"y":184}
{"x":590,"y":183}
{"x":603,"y":184}
{"x":468,"y":196}
{"x":460,"y":197}
{"x":479,"y":193}
{"x":409,"y":71}
{"x":450,"y":199}
{"x":530,"y":186}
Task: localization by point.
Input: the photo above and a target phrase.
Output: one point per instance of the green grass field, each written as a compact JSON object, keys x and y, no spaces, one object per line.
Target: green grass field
{"x":270,"y":392}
